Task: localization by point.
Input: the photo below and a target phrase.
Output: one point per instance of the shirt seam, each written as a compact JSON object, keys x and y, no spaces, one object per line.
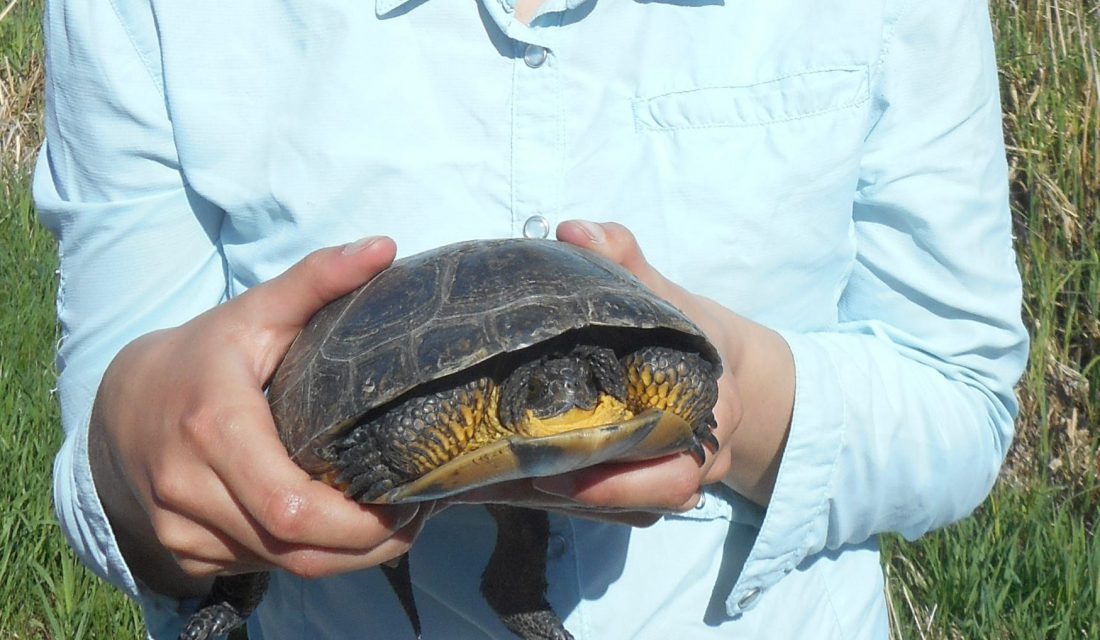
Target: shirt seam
{"x":734,"y":125}
{"x":786,"y":76}
{"x":145,"y":62}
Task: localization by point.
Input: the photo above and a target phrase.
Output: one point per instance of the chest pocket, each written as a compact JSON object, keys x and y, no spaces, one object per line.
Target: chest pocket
{"x":766,"y":172}
{"x":782,"y":99}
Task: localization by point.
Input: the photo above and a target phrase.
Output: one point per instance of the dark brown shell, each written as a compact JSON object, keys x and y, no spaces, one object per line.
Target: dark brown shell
{"x":443,"y":311}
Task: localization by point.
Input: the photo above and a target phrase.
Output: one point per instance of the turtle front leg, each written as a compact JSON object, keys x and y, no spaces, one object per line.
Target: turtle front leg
{"x":514,"y":581}
{"x":409,"y":439}
{"x":682,"y":382}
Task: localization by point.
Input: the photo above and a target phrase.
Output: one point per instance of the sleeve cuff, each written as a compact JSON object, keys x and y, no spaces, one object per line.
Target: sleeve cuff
{"x":89,"y":533}
{"x":796,"y":520}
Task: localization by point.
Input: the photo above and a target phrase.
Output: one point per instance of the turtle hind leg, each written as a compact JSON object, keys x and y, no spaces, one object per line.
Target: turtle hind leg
{"x":229,"y":603}
{"x":514,"y":581}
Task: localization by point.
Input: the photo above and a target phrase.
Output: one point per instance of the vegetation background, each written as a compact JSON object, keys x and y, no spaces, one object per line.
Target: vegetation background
{"x":1027,"y":565}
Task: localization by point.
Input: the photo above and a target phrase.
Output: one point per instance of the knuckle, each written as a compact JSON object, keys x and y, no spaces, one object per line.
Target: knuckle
{"x":171,"y":533}
{"x":680,"y":491}
{"x":169,"y":490}
{"x":314,"y":263}
{"x":284,"y":514}
{"x":201,"y":426}
{"x":621,"y":233}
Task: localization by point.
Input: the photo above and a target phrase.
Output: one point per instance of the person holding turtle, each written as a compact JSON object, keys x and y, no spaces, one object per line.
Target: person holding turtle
{"x":822,"y":190}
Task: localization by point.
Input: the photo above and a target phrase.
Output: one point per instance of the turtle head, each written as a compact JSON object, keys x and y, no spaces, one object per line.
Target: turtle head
{"x":562,"y":392}
{"x":547,"y":388}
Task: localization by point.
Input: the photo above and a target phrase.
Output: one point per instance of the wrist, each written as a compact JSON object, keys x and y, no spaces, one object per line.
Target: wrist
{"x":763,"y":374}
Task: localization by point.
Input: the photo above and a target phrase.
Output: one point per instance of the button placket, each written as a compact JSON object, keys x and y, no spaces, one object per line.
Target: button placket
{"x":537,"y":138}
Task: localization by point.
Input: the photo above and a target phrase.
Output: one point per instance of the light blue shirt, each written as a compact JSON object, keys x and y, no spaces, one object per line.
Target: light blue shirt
{"x":832,"y":170}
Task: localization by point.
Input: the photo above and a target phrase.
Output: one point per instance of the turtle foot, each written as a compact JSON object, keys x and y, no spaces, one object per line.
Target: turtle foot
{"x":229,"y":604}
{"x":211,"y":622}
{"x":536,"y":625}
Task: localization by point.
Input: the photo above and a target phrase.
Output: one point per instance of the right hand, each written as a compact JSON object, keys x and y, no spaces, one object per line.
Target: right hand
{"x":186,"y":459}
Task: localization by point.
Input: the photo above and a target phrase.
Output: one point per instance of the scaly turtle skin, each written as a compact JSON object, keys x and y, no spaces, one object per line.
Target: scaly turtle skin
{"x":480,"y":362}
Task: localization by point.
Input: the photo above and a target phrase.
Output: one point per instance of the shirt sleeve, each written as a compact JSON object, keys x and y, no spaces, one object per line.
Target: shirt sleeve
{"x":138,"y":250}
{"x":904,"y":412}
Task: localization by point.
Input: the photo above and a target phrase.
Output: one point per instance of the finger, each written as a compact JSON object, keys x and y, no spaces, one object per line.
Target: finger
{"x":202,"y":550}
{"x":669,"y":484}
{"x":235,"y":543}
{"x":307,"y":562}
{"x":637,"y":519}
{"x":520,"y":493}
{"x":277,"y":495}
{"x":616,"y":243}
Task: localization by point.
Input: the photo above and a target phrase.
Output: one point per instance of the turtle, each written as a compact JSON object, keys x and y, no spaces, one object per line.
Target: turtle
{"x":475,"y":363}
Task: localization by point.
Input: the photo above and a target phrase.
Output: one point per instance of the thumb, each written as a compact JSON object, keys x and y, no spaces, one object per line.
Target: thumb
{"x":280,"y":307}
{"x":616,"y":243}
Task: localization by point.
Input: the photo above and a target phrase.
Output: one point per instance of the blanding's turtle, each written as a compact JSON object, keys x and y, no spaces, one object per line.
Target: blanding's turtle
{"x":475,"y":363}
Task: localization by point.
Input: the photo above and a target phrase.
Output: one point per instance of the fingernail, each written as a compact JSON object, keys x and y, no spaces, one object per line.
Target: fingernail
{"x":592,"y":230}
{"x":564,"y":486}
{"x":357,"y":246}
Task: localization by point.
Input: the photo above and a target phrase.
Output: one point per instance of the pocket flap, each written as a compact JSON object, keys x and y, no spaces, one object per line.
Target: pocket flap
{"x":786,"y":98}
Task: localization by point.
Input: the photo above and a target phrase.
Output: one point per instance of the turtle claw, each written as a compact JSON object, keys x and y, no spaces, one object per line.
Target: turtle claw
{"x":711,"y":441}
{"x":698,"y":452}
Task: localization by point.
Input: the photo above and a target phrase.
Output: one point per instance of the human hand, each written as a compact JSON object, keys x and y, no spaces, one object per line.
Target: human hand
{"x":186,"y":458}
{"x":756,"y":392}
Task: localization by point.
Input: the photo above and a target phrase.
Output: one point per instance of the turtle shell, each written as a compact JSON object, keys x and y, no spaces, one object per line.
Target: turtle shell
{"x":443,"y":311}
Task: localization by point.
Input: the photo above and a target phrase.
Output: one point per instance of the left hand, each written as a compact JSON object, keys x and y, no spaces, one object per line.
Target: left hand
{"x":638,"y":493}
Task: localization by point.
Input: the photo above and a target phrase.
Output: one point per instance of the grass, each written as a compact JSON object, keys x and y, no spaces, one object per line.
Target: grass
{"x":1027,"y":565}
{"x":45,"y":592}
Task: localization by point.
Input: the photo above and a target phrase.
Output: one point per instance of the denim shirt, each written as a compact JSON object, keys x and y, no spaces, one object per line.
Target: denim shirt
{"x":832,"y":170}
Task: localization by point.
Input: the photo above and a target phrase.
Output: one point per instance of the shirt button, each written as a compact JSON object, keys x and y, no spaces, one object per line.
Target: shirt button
{"x":536,"y":227}
{"x":535,"y":56}
{"x":555,"y":546}
{"x":749,"y":598}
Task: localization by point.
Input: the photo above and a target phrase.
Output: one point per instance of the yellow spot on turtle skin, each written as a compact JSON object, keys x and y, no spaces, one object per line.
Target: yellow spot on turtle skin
{"x":673,"y":398}
{"x":647,"y":376}
{"x":487,"y":428}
